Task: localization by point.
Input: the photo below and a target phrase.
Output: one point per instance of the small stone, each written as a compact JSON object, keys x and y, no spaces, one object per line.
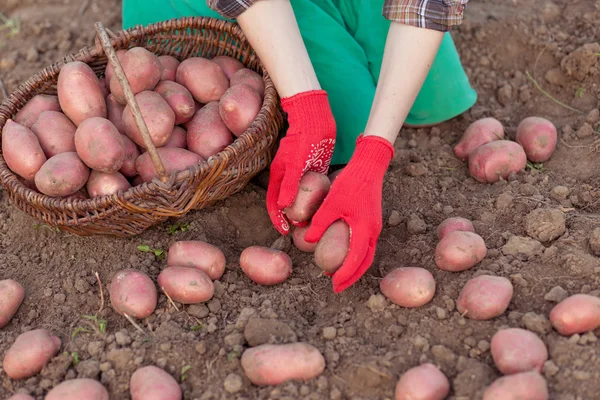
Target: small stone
{"x":416,"y":225}
{"x":522,"y":247}
{"x":329,"y":333}
{"x":95,"y":348}
{"x":447,"y":210}
{"x":555,"y":76}
{"x":443,"y":355}
{"x":45,"y":383}
{"x":165,"y":346}
{"x":8,"y":62}
{"x":593,"y":116}
{"x":505,"y":94}
{"x":550,"y":11}
{"x":412,"y":143}
{"x":581,"y":375}
{"x":377,"y":302}
{"x":595,"y":241}
{"x":556,"y":294}
{"x":198,"y":310}
{"x":335,"y":394}
{"x":105,"y":366}
{"x":233,"y":383}
{"x":519,"y":280}
{"x":545,"y":224}
{"x":82,"y":286}
{"x":415,"y":169}
{"x":421,"y":343}
{"x":395,"y":218}
{"x":503,"y":201}
{"x":60,"y":298}
{"x":234,"y":339}
{"x":560,"y":193}
{"x":122,"y":338}
{"x":483,"y":345}
{"x":536,"y":323}
{"x":585,"y":131}
{"x":304,"y":390}
{"x":550,"y":369}
{"x":200,"y":347}
{"x":214,"y":305}
{"x":440,"y":313}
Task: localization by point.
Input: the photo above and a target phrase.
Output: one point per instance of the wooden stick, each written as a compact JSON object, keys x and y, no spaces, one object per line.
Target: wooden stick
{"x":101,"y":292}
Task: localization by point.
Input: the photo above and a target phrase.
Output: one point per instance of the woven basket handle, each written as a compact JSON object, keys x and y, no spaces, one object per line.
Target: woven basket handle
{"x":137,"y":115}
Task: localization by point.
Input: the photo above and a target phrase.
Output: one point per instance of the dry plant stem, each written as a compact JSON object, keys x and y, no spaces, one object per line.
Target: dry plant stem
{"x":101,"y":292}
{"x":136,"y":326}
{"x":537,"y":85}
{"x":169,"y":297}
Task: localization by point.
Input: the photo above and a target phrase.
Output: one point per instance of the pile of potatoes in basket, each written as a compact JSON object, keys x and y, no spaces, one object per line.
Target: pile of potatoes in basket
{"x":85,"y":143}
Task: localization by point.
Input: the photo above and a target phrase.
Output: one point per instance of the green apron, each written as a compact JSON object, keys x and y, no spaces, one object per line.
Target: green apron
{"x":345,"y":40}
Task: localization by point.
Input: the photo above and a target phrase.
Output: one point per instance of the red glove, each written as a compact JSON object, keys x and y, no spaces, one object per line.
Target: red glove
{"x":307,"y":146}
{"x":355,"y":197}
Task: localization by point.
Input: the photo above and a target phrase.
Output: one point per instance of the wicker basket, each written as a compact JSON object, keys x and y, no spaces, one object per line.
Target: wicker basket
{"x":131,"y":212}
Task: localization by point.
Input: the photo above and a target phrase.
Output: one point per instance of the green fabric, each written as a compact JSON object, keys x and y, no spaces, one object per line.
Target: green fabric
{"x":345,"y":40}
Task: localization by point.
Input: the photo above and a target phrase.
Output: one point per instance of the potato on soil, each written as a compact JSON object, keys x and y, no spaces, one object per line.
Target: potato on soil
{"x":109,"y":71}
{"x":538,"y":137}
{"x":179,"y":99}
{"x":173,"y":158}
{"x":272,"y":364}
{"x":459,"y":251}
{"x":578,"y":313}
{"x":408,"y":287}
{"x":30,"y":352}
{"x":142,"y":69}
{"x":298,"y":234}
{"x":62,"y":175}
{"x":78,"y":389}
{"x":248,"y":77}
{"x":132,"y":292}
{"x":197,"y":254}
{"x":22,"y":150}
{"x":311,"y":192}
{"x":34,"y":107}
{"x":178,"y":138}
{"x":114,"y":112}
{"x":153,"y":383}
{"x":492,"y":161}
{"x":333,"y":247}
{"x":55,"y":132}
{"x":186,"y":285}
{"x":12,"y":294}
{"x":423,"y":382}
{"x":79,"y":92}
{"x":485,"y":297}
{"x":103,"y":184}
{"x":100,"y":145}
{"x":229,"y":65}
{"x":265,"y":266}
{"x":169,"y":67}
{"x":454,"y":224}
{"x":477,"y":134}
{"x":207,"y":134}
{"x":522,"y":386}
{"x":239,"y":107}
{"x":518,"y":350}
{"x":158,"y":116}
{"x":204,"y":78}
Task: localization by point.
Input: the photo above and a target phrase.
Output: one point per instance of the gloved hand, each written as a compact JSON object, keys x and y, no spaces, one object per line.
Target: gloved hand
{"x":355,"y":197}
{"x":307,"y":146}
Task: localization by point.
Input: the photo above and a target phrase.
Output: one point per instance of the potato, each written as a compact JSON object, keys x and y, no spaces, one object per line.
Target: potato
{"x":311,"y":193}
{"x":142,"y":70}
{"x":459,"y":251}
{"x":79,"y":92}
{"x":179,"y":99}
{"x":477,"y":134}
{"x":538,"y":137}
{"x":30,"y":352}
{"x":158,"y":116}
{"x":104,"y":87}
{"x":578,"y":313}
{"x":207,"y":134}
{"x":55,"y":132}
{"x":273,"y":364}
{"x":137,"y":180}
{"x":78,"y":389}
{"x":22,"y":150}
{"x":103,"y":184}
{"x":229,"y":65}
{"x":204,"y":78}
{"x":173,"y":158}
{"x":197,"y":254}
{"x":131,"y":154}
{"x":484,"y":297}
{"x":492,"y":161}
{"x":523,"y":386}
{"x":518,"y":350}
{"x":265,"y":266}
{"x":100,"y":145}
{"x":248,"y":77}
{"x":153,"y":383}
{"x":169,"y":67}
{"x":34,"y":107}
{"x":62,"y":175}
{"x":408,"y":286}
{"x":132,"y":292}
{"x":423,"y":382}
{"x":177,"y":139}
{"x":298,"y":234}
{"x":11,"y":297}
{"x":454,"y":224}
{"x":186,"y":285}
{"x":114,"y":112}
{"x":21,"y":396}
{"x":239,"y":107}
{"x":109,"y":71}
{"x":333,"y":247}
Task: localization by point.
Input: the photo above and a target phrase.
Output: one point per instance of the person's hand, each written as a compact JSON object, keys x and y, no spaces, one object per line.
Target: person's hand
{"x":307,"y":146}
{"x":355,"y":197}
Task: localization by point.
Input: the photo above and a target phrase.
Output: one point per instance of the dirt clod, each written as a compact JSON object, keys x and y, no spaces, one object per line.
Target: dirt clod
{"x":545,"y":224}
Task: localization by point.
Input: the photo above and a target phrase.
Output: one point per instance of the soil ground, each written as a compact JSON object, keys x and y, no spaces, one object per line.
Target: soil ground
{"x":503,"y":45}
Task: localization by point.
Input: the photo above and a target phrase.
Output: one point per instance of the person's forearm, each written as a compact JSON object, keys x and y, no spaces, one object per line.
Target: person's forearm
{"x":409,"y":53}
{"x":272,"y":30}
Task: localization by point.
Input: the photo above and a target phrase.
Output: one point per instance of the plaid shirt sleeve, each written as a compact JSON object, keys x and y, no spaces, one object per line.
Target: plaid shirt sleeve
{"x":440,"y":15}
{"x":230,"y":8}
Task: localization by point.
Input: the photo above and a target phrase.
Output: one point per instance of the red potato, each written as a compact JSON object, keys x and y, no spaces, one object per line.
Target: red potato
{"x":333,"y":247}
{"x":153,"y":383}
{"x":239,"y":107}
{"x":142,"y":70}
{"x":114,"y":112}
{"x":454,"y":224}
{"x":104,"y":87}
{"x":523,"y":386}
{"x":204,"y":78}
{"x":576,"y":314}
{"x":311,"y":193}
{"x":34,"y":107}
{"x":169,"y":67}
{"x":492,"y":161}
{"x":272,"y":364}
{"x":229,"y":65}
{"x":103,"y":184}
{"x":78,"y":389}
{"x":179,"y":99}
{"x":408,"y":287}
{"x":137,"y":181}
{"x":248,"y":77}
{"x":207,"y":134}
{"x":197,"y":254}
{"x":158,"y":116}
{"x":477,"y":134}
{"x":79,"y":92}
{"x":132,"y":292}
{"x":298,"y":235}
{"x":173,"y":158}
{"x":518,"y":350}
{"x":21,"y":396}
{"x":62,"y":175}
{"x":12,"y":294}
{"x":100,"y":145}
{"x":538,"y":137}
{"x":459,"y":251}
{"x":109,"y":71}
{"x":22,"y":150}
{"x":266,"y":266}
{"x":131,"y":155}
{"x":424,"y":382}
{"x":30,"y":352}
{"x":55,"y":132}
{"x":186,"y":285}
{"x":485,"y":297}
{"x":177,"y":139}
